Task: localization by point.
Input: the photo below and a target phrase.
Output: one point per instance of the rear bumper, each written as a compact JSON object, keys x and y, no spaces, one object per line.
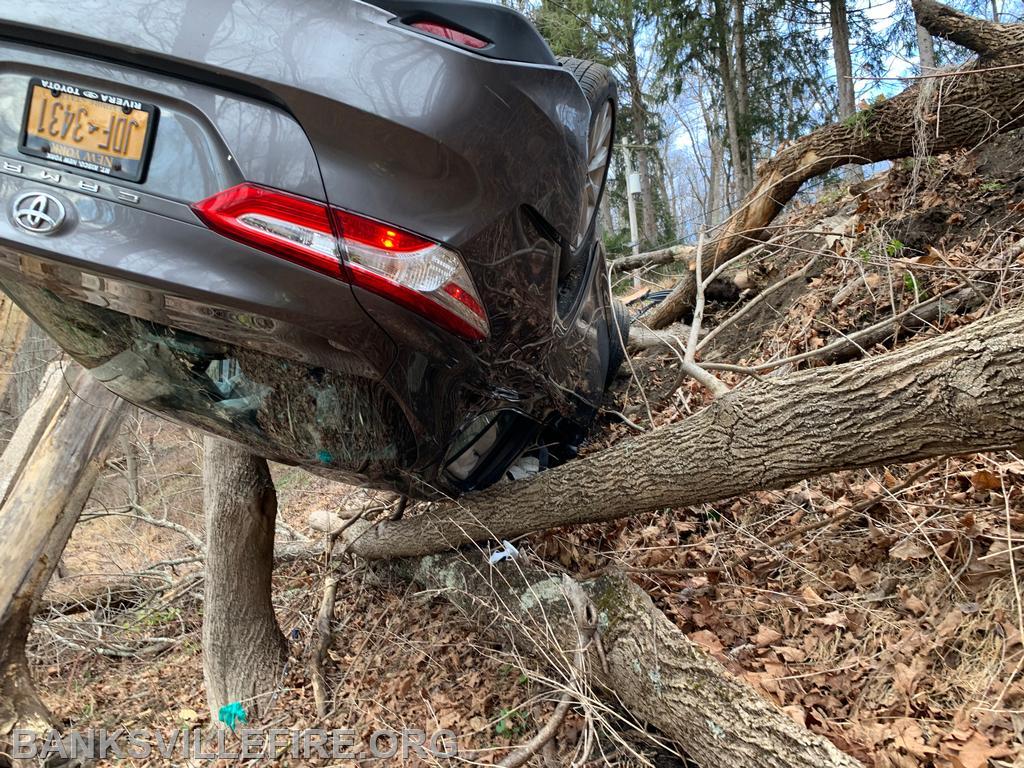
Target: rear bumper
{"x":217,"y":335}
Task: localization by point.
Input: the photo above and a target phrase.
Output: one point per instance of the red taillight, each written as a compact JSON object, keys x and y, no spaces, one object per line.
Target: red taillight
{"x":292,"y":227}
{"x":413,"y":271}
{"x":419,"y":273}
{"x":449,"y":33}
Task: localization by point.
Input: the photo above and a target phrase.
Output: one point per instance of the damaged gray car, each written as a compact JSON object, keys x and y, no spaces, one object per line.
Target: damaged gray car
{"x":354,"y":237}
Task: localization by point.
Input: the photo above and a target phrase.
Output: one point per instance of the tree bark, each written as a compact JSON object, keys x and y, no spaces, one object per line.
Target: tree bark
{"x":967,"y":108}
{"x":733,"y":120}
{"x":648,"y":216}
{"x":846,"y":103}
{"x":69,"y":435}
{"x":960,"y":392}
{"x":716,"y":205}
{"x":662,"y":256}
{"x":925,"y":46}
{"x":925,"y":50}
{"x":243,"y":648}
{"x":739,"y":58}
{"x":648,"y":221}
{"x":648,"y":665}
{"x":13,"y":326}
{"x":606,"y":222}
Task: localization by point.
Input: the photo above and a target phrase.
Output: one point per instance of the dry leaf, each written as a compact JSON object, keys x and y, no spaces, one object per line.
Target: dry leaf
{"x":949,"y":624}
{"x":708,"y":640}
{"x":790,"y":654}
{"x":983,"y":480}
{"x":832,"y":619}
{"x":810,"y":596}
{"x":977,"y":751}
{"x":910,"y":549}
{"x":797,"y":713}
{"x":765,"y":636}
{"x":914,"y":604}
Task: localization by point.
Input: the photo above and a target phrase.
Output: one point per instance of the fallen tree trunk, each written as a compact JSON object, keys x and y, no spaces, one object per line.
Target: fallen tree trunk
{"x":42,"y":506}
{"x":653,"y":258}
{"x":14,"y":325}
{"x":938,"y":114}
{"x":644,"y":338}
{"x":645,"y":662}
{"x":928,"y":314}
{"x":49,"y":399}
{"x":960,"y":392}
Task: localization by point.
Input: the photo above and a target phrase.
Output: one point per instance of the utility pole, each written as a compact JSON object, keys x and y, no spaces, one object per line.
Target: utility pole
{"x":632,"y":188}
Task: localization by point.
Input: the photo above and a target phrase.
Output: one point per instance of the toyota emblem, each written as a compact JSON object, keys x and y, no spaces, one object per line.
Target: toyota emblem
{"x":39,"y":213}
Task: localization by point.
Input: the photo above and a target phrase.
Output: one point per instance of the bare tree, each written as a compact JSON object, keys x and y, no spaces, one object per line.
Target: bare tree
{"x":735,"y":117}
{"x":925,"y":46}
{"x":839,"y":20}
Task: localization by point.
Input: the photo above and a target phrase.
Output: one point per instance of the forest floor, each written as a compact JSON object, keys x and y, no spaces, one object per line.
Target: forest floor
{"x":881,"y":608}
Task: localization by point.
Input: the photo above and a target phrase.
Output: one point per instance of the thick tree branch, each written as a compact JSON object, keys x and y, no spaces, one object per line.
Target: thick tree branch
{"x":979,"y":35}
{"x":957,"y":393}
{"x":71,"y":431}
{"x":653,"y":258}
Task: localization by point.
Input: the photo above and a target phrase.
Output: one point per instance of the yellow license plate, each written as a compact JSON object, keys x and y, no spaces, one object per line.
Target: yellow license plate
{"x":90,"y":130}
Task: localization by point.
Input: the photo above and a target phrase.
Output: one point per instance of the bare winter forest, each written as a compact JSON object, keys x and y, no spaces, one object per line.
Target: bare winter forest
{"x":796,"y":537}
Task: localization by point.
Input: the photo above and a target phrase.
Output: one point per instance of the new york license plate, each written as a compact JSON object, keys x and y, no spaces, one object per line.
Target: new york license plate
{"x":94,"y":131}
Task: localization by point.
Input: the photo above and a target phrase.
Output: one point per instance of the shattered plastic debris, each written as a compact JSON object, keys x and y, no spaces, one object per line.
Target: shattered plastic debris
{"x":527,"y":466}
{"x":507,"y":552}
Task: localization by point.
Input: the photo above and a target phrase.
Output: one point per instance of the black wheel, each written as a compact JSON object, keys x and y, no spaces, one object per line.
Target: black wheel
{"x":618,"y":336}
{"x":598,"y":84}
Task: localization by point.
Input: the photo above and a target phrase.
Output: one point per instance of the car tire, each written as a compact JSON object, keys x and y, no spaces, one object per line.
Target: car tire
{"x":618,"y":337}
{"x":599,"y":87}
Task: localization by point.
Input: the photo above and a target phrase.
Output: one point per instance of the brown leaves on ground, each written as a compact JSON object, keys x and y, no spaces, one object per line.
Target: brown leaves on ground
{"x":896,"y":633}
{"x":887,"y":618}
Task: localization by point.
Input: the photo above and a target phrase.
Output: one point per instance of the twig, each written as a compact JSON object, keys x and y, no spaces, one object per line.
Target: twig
{"x":846,"y":341}
{"x":629,"y":358}
{"x":843,"y":516}
{"x":586,"y":625}
{"x":702,"y":377}
{"x":323,"y":629}
{"x":325,"y":615}
{"x":296,"y":536}
{"x":687,"y":361}
{"x":690,"y":356}
{"x":140,"y":514}
{"x":1016,"y":591}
